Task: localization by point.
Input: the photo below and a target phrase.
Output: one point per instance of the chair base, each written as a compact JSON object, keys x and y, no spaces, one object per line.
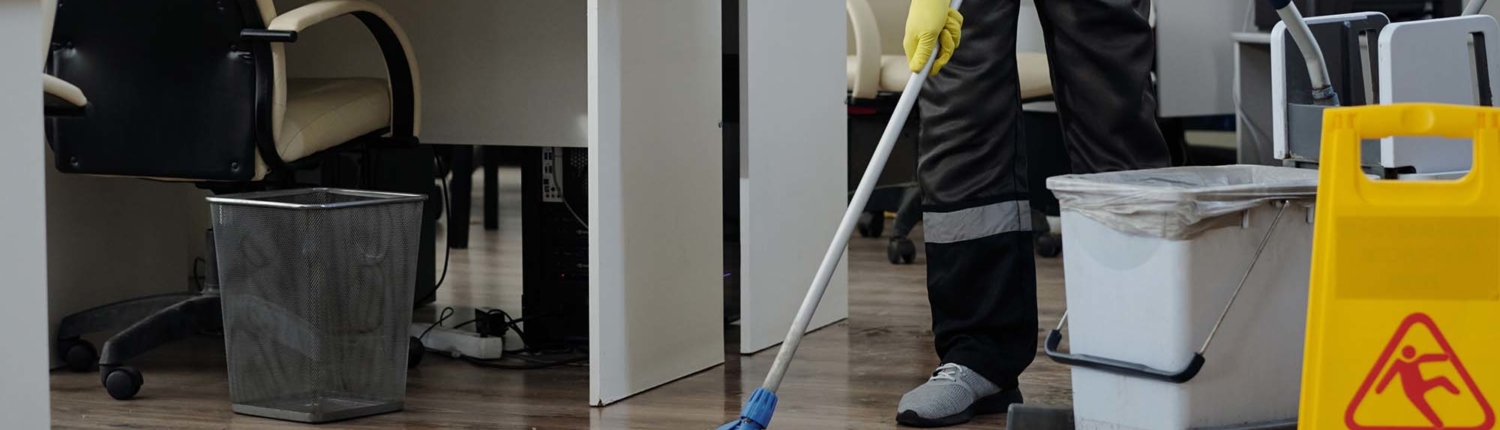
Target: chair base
{"x":149,"y":322}
{"x":145,"y":323}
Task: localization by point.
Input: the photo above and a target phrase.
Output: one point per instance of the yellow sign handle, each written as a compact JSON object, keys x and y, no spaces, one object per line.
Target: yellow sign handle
{"x":1344,"y":128}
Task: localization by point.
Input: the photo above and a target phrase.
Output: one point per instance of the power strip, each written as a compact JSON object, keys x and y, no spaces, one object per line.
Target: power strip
{"x":458,"y":342}
{"x":551,"y":176}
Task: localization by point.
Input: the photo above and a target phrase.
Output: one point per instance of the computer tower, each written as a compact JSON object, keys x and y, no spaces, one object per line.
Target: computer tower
{"x":555,"y":247}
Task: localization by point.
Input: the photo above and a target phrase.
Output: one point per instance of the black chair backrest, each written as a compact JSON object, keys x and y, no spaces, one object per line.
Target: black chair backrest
{"x":173,"y":91}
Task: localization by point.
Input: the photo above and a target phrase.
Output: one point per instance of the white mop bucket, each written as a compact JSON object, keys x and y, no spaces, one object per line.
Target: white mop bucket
{"x":1154,"y":258}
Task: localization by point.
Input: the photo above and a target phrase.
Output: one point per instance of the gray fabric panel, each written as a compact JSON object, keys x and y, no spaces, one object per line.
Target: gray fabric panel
{"x":976,"y":222}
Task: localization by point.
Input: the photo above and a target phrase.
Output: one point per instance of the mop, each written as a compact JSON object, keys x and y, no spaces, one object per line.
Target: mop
{"x":757,"y":412}
{"x":1317,"y":68}
{"x":1474,"y":7}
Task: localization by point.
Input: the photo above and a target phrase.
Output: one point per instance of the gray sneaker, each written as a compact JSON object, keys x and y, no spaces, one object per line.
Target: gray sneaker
{"x":953,"y":395}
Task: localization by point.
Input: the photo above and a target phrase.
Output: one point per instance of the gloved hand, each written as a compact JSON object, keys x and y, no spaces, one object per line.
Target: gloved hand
{"x":931,"y":24}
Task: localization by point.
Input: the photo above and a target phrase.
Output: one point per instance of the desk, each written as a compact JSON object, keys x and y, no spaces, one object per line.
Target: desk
{"x":638,"y":83}
{"x":649,"y":78}
{"x":644,"y":95}
{"x":518,"y":89}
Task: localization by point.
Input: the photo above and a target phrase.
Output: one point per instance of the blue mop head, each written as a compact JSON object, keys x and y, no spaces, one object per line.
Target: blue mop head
{"x":757,"y":412}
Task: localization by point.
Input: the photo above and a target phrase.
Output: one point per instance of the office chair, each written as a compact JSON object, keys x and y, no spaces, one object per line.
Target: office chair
{"x":196,"y":91}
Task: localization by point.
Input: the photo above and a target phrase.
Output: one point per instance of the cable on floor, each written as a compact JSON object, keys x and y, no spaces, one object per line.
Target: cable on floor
{"x":448,"y":211}
{"x":442,"y":316}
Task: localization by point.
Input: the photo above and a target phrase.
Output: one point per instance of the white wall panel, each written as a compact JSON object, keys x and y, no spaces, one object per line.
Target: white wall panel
{"x":656,"y":232}
{"x":793,"y":127}
{"x":23,"y":224}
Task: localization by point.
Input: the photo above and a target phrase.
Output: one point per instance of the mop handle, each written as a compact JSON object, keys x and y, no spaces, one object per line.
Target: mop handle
{"x":1473,"y":7}
{"x":846,"y":227}
{"x":1312,"y":54}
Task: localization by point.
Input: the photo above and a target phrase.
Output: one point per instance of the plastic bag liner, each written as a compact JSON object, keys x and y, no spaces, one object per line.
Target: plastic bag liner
{"x":1179,"y":203}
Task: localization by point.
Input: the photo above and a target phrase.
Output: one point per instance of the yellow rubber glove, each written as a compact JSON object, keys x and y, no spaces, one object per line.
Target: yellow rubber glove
{"x":931,"y":24}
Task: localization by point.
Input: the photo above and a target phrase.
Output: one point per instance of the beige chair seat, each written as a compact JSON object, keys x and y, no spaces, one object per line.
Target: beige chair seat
{"x":1036,"y":77}
{"x":1036,"y":80}
{"x":323,"y":113}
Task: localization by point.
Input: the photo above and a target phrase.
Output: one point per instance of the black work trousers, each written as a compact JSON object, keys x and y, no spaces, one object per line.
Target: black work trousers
{"x":981,"y":275}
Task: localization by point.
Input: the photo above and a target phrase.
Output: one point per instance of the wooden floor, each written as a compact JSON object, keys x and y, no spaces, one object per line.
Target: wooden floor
{"x":848,"y":376}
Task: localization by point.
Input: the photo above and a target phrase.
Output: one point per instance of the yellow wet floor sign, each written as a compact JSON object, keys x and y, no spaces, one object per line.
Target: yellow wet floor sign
{"x":1403,"y":327}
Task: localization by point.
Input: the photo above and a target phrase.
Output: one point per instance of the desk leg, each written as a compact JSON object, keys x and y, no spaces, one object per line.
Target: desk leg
{"x":460,"y":190}
{"x":655,"y":244}
{"x":23,"y":222}
{"x":490,"y":158}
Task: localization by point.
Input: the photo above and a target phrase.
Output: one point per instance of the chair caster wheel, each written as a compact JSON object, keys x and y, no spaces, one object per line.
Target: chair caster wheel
{"x":123,"y":383}
{"x":414,"y":352}
{"x":901,"y":251}
{"x":77,"y":354}
{"x":1049,"y":246}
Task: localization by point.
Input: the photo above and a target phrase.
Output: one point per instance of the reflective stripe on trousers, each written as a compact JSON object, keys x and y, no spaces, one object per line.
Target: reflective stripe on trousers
{"x":977,"y":222}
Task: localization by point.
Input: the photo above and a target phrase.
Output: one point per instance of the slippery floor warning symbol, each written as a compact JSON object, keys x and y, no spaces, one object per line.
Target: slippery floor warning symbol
{"x":1419,"y":382}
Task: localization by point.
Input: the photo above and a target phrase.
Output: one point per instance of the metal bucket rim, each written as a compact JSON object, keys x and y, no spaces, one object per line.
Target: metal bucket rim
{"x":372,"y":198}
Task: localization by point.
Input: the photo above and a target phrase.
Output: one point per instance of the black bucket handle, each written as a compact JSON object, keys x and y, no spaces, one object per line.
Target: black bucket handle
{"x":1119,"y":367}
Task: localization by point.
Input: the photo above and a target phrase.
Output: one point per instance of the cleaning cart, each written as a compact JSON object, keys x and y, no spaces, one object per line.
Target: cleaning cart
{"x":1370,"y":61}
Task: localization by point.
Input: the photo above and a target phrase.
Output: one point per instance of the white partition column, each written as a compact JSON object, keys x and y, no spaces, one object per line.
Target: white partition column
{"x":24,"y":401}
{"x":793,"y":191}
{"x":655,"y":228}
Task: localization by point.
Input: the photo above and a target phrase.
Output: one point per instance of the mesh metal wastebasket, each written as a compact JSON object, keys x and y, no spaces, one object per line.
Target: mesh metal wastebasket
{"x":317,"y":296}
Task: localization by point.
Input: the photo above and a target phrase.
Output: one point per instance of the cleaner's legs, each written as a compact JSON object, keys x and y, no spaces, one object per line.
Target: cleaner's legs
{"x":981,"y":274}
{"x":1102,"y":53}
{"x":981,"y":280}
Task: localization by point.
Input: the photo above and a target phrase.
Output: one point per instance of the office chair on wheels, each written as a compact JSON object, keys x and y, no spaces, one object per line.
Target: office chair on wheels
{"x":196,"y":91}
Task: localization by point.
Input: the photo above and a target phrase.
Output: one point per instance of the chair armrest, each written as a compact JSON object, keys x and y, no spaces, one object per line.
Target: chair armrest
{"x":400,"y":60}
{"x":866,"y":49}
{"x":60,"y":98}
{"x":315,"y":13}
